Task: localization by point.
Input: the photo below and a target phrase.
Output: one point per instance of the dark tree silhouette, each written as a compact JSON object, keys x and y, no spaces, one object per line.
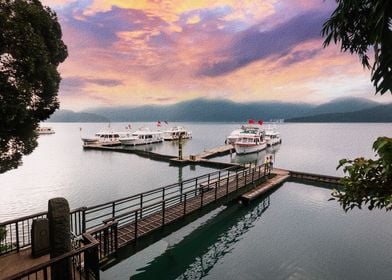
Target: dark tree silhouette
{"x":31,"y":49}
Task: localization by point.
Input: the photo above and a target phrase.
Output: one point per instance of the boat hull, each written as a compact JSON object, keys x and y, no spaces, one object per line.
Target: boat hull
{"x":242,"y":149}
{"x":274,"y":141}
{"x":175,"y":137}
{"x":137,"y":142}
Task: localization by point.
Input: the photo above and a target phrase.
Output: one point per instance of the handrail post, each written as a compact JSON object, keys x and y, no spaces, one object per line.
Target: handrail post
{"x":84,"y":219}
{"x":136,"y":226}
{"x":181,"y":189}
{"x":196,"y":186}
{"x":227,"y":185}
{"x":141,"y":205}
{"x":163,"y":212}
{"x":253,"y":174}
{"x":245,"y":178}
{"x":163,"y":193}
{"x":17,"y":236}
{"x":208,"y":182}
{"x":201,"y":197}
{"x":113,"y":209}
{"x":259,"y":172}
{"x":185,"y":204}
{"x":236,"y":178}
{"x":105,"y":241}
{"x":217,"y":184}
{"x":115,"y":229}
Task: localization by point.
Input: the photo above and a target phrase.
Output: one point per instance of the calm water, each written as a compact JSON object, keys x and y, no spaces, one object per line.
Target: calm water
{"x":296,"y":234}
{"x":299,"y":234}
{"x":60,"y":167}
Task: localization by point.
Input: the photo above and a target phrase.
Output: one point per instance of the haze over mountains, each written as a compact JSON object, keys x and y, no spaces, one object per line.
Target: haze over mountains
{"x":203,"y":110}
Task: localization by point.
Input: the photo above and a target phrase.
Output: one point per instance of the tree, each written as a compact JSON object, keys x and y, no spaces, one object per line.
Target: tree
{"x":31,"y":49}
{"x":369,"y":182}
{"x":359,"y":25}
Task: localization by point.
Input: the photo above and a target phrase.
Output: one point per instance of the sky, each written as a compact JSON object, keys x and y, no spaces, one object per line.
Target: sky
{"x":136,"y":52}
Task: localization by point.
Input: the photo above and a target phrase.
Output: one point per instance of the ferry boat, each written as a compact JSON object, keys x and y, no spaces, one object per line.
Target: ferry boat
{"x":175,"y":132}
{"x":272,"y":136}
{"x":106,"y":138}
{"x":245,"y":129}
{"x":250,"y":143}
{"x":142,"y":136}
{"x":44,"y":130}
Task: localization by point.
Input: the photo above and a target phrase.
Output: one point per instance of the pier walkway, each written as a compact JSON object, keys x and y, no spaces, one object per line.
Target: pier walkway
{"x":202,"y":158}
{"x":103,"y":230}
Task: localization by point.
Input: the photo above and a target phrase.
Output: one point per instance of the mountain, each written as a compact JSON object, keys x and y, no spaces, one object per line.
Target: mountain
{"x":345,"y":104}
{"x":71,"y":116}
{"x":381,"y":113}
{"x":204,"y":110}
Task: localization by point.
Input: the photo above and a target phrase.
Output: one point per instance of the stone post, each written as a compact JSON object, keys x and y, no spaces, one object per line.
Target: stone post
{"x":59,"y":237}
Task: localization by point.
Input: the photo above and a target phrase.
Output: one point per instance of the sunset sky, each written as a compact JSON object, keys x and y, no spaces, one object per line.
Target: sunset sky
{"x":125,"y":52}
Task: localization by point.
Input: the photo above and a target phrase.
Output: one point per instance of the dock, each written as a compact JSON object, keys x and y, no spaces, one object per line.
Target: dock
{"x":202,"y":158}
{"x":278,"y":177}
{"x":132,"y":223}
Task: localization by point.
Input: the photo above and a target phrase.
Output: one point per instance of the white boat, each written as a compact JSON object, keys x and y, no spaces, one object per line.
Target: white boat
{"x":272,"y":136}
{"x":245,"y":129}
{"x":175,"y":132}
{"x":250,"y":143}
{"x":106,"y":138}
{"x":44,"y":130}
{"x":142,"y":136}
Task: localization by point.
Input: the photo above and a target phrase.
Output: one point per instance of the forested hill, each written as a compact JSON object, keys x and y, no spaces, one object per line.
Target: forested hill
{"x":382,"y":113}
{"x":203,"y":110}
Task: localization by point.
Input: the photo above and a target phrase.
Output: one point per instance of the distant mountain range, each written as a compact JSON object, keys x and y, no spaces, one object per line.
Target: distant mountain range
{"x":71,"y":116}
{"x":203,"y":110}
{"x":382,"y":113}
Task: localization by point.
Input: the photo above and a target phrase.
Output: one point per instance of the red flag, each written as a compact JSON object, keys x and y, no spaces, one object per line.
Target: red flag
{"x":260,"y":122}
{"x":159,"y":123}
{"x":251,"y":121}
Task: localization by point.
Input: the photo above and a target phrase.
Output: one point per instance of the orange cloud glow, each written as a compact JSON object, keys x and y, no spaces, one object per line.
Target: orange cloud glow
{"x":125,"y":52}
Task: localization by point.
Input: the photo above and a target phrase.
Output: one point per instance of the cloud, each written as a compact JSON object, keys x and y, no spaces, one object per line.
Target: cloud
{"x":253,"y":44}
{"x":72,"y":84}
{"x":298,"y":56}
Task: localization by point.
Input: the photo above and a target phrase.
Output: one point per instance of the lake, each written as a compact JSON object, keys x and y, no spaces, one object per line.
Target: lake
{"x":300,"y":235}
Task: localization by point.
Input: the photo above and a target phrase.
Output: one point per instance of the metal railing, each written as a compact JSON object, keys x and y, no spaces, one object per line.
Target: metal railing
{"x":18,"y":231}
{"x":162,"y":211}
{"x":82,"y":262}
{"x":83,"y":219}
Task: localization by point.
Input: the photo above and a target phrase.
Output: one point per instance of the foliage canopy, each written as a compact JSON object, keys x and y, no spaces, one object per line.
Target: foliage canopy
{"x":360,"y":25}
{"x":369,"y":182}
{"x":31,"y":49}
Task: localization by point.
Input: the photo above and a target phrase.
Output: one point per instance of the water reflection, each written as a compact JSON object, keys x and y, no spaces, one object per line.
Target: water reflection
{"x":197,"y":254}
{"x":16,"y":143}
{"x":202,"y":264}
{"x":256,"y":157}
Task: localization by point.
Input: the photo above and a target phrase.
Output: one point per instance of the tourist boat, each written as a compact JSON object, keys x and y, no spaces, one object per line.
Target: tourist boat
{"x":245,"y":129}
{"x":175,"y":133}
{"x":272,"y":136}
{"x":106,"y":138}
{"x":250,"y":143}
{"x":44,"y":130}
{"x":142,"y":136}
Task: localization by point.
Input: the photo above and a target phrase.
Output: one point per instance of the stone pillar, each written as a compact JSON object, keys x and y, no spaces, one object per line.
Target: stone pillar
{"x":59,"y":237}
{"x":39,"y":237}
